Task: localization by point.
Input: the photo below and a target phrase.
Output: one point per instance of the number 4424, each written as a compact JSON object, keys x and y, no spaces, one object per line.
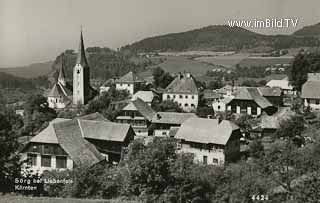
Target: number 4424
{"x":260,"y":197}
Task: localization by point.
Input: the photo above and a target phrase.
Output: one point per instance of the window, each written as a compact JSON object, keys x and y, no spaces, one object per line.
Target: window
{"x":164,"y":133}
{"x":180,"y":96}
{"x":192,"y":97}
{"x":186,"y":104}
{"x":174,"y":96}
{"x":180,"y":104}
{"x":186,"y":96}
{"x":32,"y":158}
{"x":128,"y":85}
{"x":168,"y":96}
{"x":45,"y":160}
{"x":121,"y":84}
{"x":219,"y":107}
{"x":61,"y":162}
{"x":317,"y":101}
{"x":78,"y":71}
{"x":192,"y":105}
{"x":215,"y":161}
{"x":205,"y":160}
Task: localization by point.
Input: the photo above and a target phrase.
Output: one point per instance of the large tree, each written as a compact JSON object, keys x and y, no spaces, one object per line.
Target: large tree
{"x":161,"y":78}
{"x":298,"y":72}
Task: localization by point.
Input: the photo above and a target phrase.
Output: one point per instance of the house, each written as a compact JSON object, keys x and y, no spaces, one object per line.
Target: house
{"x":248,"y":100}
{"x":272,"y":94}
{"x":67,"y":143}
{"x":138,"y":114}
{"x":106,"y":86}
{"x":130,"y":82}
{"x":146,"y":96}
{"x":283,"y":84}
{"x":212,"y":141}
{"x":184,"y":91}
{"x":221,"y":105}
{"x":210,"y":96}
{"x":310,"y":91}
{"x":162,"y":122}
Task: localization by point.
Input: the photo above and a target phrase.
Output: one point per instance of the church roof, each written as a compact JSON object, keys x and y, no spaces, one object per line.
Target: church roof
{"x":130,"y":77}
{"x":81,"y":58}
{"x":62,"y":76}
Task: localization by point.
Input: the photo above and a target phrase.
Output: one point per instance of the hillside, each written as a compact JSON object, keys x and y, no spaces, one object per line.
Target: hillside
{"x":311,"y":30}
{"x":218,"y":38}
{"x":30,"y":71}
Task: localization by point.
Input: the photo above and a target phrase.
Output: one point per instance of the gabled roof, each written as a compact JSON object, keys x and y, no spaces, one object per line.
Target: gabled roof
{"x":183,"y":83}
{"x":130,"y":77}
{"x":81,"y":58}
{"x":252,"y":93}
{"x":104,"y":130}
{"x":171,"y":117}
{"x":270,"y":91}
{"x":311,"y":90}
{"x":142,"y":107}
{"x":146,"y":96}
{"x":71,"y":140}
{"x":94,"y":116}
{"x":211,"y":94}
{"x":48,"y":134}
{"x":202,"y":130}
{"x":283,"y":84}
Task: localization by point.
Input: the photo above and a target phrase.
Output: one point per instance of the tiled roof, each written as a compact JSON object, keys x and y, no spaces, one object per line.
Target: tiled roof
{"x":311,"y":89}
{"x":252,"y":93}
{"x":183,"y":83}
{"x":94,"y":116}
{"x":270,"y":91}
{"x":142,"y":107}
{"x":48,"y":135}
{"x":202,"y":130}
{"x":211,"y":94}
{"x":171,"y":117}
{"x":71,"y":140}
{"x":101,"y":130}
{"x":283,"y":84}
{"x":146,"y":96}
{"x":130,"y":78}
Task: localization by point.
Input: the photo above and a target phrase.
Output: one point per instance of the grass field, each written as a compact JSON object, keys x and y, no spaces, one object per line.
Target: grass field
{"x":23,"y":199}
{"x":228,"y":61}
{"x":176,"y":64}
{"x":265,"y":61}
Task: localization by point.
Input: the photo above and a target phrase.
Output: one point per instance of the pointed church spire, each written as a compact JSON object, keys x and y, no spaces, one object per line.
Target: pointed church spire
{"x":81,"y":59}
{"x":62,"y":77}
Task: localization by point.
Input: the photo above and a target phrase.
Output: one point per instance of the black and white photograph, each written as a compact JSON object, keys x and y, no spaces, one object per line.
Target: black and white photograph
{"x":149,"y":101}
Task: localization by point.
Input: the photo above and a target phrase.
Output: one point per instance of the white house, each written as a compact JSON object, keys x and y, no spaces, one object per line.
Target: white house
{"x":130,"y":82}
{"x":212,"y":141}
{"x":146,"y":96}
{"x":221,"y":105}
{"x":184,"y":91}
{"x":284,"y":85}
{"x":310,"y":91}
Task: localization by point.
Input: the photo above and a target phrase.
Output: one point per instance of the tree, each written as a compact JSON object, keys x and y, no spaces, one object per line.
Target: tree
{"x":167,"y":106}
{"x":9,"y":160}
{"x":215,"y":84}
{"x":37,"y":114}
{"x":298,"y":72}
{"x":161,"y":78}
{"x":292,"y":129}
{"x":256,"y":149}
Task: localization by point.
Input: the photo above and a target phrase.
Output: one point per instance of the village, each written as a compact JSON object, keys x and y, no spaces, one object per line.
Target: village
{"x":159,"y":102}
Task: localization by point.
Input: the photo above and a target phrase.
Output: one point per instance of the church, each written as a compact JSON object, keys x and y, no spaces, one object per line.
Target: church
{"x":80,"y":92}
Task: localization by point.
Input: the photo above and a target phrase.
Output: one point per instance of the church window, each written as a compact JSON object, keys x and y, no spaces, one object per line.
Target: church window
{"x":78,"y":71}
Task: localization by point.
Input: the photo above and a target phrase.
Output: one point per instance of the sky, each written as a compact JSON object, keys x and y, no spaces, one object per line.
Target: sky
{"x":33,"y":31}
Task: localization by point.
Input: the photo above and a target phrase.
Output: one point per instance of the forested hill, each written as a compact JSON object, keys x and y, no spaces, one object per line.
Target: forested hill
{"x":218,"y":38}
{"x":312,"y":30}
{"x":104,"y":63}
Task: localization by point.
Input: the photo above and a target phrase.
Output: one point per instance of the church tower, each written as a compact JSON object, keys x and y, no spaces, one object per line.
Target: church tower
{"x":81,"y":77}
{"x":62,"y":77}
